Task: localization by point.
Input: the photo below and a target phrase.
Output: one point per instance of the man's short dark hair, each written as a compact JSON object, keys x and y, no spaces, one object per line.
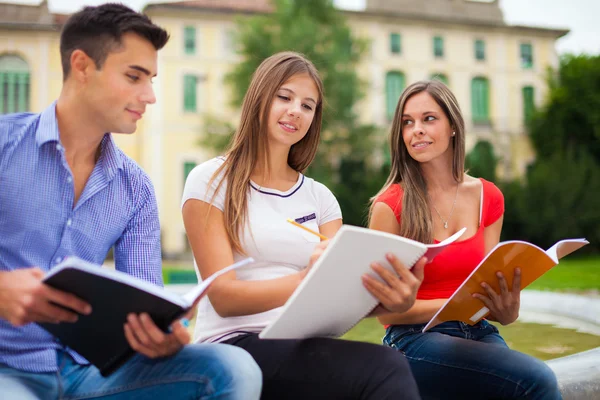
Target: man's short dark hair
{"x":98,"y":30}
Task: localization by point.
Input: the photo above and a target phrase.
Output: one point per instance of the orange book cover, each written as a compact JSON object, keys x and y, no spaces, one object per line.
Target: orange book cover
{"x":505,"y":257}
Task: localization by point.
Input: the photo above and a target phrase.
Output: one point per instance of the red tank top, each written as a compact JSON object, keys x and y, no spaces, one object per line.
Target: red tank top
{"x":451,"y":267}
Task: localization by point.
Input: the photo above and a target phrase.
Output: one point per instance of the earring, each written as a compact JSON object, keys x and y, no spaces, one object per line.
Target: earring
{"x":453,"y":133}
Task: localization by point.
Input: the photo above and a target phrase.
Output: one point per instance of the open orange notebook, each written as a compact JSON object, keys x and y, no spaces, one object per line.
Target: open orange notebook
{"x":505,"y":257}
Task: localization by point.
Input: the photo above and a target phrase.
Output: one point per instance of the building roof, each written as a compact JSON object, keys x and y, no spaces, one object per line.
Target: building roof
{"x":462,"y":12}
{"x":30,"y":17}
{"x":235,"y":6}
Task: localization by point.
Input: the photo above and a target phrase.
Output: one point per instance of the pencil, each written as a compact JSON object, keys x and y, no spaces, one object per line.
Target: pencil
{"x":291,"y":221}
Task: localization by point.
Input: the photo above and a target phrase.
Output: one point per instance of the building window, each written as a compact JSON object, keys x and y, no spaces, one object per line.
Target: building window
{"x":480,"y":100}
{"x":189,"y":39}
{"x":394,"y":85}
{"x":395,"y":46}
{"x":479,"y":50}
{"x":188,"y":166}
{"x":528,"y":102}
{"x":526,"y":55}
{"x":190,"y":85}
{"x":440,"y":77}
{"x":14,"y":85}
{"x":229,"y":45}
{"x":438,"y":47}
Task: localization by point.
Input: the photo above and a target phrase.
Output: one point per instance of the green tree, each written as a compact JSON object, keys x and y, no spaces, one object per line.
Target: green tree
{"x":559,"y":196}
{"x":570,"y":118}
{"x":481,"y":161}
{"x":345,"y":161}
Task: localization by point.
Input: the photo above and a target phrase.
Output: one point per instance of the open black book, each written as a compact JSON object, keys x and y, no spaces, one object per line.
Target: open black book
{"x":100,"y":336}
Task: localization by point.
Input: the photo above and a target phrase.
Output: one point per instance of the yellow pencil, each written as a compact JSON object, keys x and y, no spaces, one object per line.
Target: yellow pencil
{"x":291,"y":221}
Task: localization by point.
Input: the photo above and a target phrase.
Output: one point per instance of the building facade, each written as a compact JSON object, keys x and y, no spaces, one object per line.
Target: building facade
{"x":497,"y":72}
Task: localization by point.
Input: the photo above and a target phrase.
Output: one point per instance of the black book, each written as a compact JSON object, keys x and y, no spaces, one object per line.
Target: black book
{"x":100,"y":336}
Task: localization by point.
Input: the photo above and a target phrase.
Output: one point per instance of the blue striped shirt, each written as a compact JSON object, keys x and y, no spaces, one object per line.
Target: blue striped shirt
{"x":40,"y":227}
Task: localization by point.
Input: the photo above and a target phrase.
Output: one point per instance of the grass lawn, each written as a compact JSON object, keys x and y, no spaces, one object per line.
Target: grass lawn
{"x":542,"y":341}
{"x":572,"y":274}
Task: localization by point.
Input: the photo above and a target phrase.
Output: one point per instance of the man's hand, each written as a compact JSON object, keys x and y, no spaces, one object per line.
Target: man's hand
{"x":24,"y":299}
{"x":504,"y":307}
{"x":396,"y":293}
{"x":147,"y":339}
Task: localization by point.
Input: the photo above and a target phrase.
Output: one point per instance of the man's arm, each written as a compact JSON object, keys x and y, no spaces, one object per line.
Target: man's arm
{"x":137,"y":252}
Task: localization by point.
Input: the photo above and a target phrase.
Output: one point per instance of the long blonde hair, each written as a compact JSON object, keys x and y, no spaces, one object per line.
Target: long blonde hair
{"x":417,"y":221}
{"x":251,"y":138}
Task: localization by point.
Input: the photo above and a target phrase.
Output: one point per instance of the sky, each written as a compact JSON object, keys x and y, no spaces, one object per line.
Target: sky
{"x":575,"y":15}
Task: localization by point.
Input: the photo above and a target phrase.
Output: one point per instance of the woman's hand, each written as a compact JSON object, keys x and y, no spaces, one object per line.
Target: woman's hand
{"x":504,"y":307}
{"x":316,"y":254}
{"x":398,"y":292}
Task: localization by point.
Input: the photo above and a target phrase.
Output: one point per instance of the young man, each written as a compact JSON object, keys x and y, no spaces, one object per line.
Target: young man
{"x":66,"y":189}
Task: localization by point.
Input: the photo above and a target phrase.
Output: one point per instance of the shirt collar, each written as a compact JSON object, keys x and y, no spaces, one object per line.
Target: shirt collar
{"x":110,"y":156}
{"x":47,"y":131}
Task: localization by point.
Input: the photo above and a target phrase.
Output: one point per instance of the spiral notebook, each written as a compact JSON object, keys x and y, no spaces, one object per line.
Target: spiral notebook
{"x":332,"y":299}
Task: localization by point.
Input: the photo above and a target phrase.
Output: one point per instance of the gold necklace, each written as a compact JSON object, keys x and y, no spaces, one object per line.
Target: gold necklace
{"x":451,"y":211}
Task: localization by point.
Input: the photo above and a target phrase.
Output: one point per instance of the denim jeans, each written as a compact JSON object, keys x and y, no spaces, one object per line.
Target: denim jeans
{"x":457,"y":361}
{"x":199,"y":371}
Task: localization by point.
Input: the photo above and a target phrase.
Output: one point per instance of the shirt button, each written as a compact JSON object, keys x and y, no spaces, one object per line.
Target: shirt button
{"x":59,"y":147}
{"x":69,"y":179}
{"x":58,"y":259}
{"x":69,"y":222}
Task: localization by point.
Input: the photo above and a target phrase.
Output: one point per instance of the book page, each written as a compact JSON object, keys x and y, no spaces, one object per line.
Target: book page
{"x":565,"y":247}
{"x":194,"y":295}
{"x":435,"y":249}
{"x":118,"y":276}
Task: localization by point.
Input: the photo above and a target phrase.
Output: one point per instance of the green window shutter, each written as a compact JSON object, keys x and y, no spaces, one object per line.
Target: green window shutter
{"x":479,"y":50}
{"x":528,"y":103}
{"x":440,"y":77}
{"x":11,"y":93}
{"x":189,"y":39}
{"x":394,"y":85}
{"x":14,"y":84}
{"x":480,"y":98}
{"x":438,"y":47}
{"x":3,"y":93}
{"x":188,"y":166}
{"x":22,"y":90}
{"x":526,"y":55}
{"x":189,"y":92}
{"x":395,"y":46}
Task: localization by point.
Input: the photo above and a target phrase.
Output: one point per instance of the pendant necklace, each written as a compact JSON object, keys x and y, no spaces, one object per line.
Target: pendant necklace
{"x":451,"y":211}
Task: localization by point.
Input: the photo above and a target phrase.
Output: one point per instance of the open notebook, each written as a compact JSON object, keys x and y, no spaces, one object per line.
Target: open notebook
{"x":100,"y":337}
{"x":332,"y":299}
{"x":505,"y":256}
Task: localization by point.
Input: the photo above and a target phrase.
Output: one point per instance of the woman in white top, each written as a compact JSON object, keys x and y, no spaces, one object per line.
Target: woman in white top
{"x":237,"y":205}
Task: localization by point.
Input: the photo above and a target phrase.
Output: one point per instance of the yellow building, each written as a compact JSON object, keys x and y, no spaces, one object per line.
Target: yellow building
{"x":496,"y":71}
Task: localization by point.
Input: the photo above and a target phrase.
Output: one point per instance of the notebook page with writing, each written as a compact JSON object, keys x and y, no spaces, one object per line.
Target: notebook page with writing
{"x":332,"y":299}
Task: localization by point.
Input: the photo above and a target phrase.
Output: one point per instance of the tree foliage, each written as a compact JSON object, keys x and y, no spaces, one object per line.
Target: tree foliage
{"x":481,"y":161}
{"x":559,"y":196}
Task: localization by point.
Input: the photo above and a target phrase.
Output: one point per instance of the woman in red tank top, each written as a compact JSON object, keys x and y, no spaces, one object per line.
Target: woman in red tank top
{"x":427,"y":197}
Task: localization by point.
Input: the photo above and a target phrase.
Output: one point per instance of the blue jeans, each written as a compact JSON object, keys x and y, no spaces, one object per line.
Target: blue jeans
{"x":456,"y":361}
{"x":199,"y":371}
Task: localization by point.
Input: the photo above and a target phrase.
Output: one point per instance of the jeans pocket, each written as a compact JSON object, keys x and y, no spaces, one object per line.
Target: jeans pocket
{"x":396,"y":336}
